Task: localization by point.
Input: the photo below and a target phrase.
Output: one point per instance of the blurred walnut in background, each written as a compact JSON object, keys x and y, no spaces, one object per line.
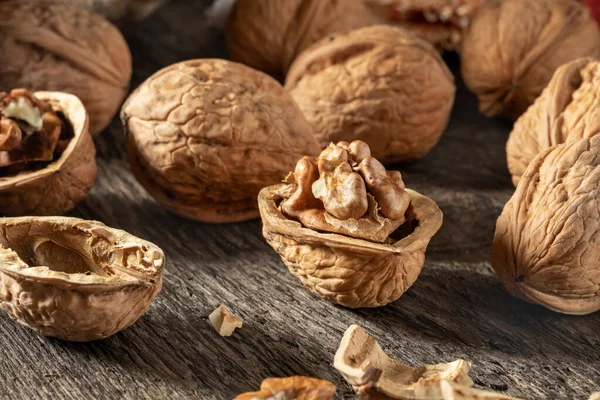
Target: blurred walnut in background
{"x":567,"y":110}
{"x":56,"y":46}
{"x":269,"y":34}
{"x":118,"y":10}
{"x":378,"y":84}
{"x":440,"y":22}
{"x":513,"y":47}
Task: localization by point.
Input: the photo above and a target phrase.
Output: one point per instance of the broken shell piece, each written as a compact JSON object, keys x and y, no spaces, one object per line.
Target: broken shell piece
{"x":74,"y":279}
{"x":224,"y":322}
{"x":373,"y":374}
{"x":595,"y":396}
{"x":292,"y":388}
{"x":452,"y":391}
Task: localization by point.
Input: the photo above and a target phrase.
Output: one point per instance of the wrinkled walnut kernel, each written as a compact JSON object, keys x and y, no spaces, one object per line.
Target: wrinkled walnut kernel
{"x":292,"y":388}
{"x":347,"y":191}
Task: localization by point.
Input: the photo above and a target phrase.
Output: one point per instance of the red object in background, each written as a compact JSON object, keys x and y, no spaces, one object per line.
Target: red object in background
{"x":594,"y":6}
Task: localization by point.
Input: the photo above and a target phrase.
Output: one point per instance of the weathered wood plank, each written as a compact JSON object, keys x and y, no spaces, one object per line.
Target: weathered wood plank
{"x":456,"y":309}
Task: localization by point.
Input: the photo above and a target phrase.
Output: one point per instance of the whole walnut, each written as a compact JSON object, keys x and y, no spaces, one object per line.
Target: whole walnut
{"x":205,"y":136}
{"x":513,"y":47}
{"x":47,"y":156}
{"x":546,"y":248}
{"x":56,"y":46}
{"x":119,"y":10}
{"x":567,"y":110}
{"x":269,"y":34}
{"x":347,"y":228}
{"x":377,"y":84}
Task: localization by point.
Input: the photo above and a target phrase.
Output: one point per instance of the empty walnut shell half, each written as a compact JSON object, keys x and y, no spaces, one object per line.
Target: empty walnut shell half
{"x":567,"y":110}
{"x":374,"y":375}
{"x":546,"y":248}
{"x":513,"y":47}
{"x":56,"y":46}
{"x":292,"y":388}
{"x":74,"y":279}
{"x":205,"y":136}
{"x":60,"y":185}
{"x":377,"y":84}
{"x":347,"y":228}
{"x":453,"y":391}
{"x":269,"y":34}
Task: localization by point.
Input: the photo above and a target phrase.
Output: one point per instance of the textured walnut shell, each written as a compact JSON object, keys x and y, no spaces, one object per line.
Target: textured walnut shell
{"x":377,"y":84}
{"x":452,"y":391}
{"x":292,"y":388}
{"x":58,"y":187}
{"x":344,"y":270}
{"x":74,"y":279}
{"x":567,"y":110}
{"x":269,"y":34}
{"x":204,"y":136}
{"x":120,"y":10}
{"x":374,"y":375}
{"x":48,"y":45}
{"x":513,"y":47}
{"x":546,"y":248}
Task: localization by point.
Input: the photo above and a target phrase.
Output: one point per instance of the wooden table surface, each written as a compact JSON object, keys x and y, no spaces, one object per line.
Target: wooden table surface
{"x":456,"y":309}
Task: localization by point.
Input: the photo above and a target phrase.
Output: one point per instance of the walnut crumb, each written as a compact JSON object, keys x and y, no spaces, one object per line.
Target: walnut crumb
{"x":224,"y":322}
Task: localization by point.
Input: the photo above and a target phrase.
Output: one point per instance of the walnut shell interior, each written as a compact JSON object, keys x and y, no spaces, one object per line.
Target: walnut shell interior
{"x":60,"y":185}
{"x":374,"y":375}
{"x":345,"y":270}
{"x":74,"y":279}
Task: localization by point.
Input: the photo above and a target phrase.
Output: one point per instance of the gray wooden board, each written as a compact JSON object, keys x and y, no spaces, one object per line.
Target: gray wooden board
{"x":457,"y":308}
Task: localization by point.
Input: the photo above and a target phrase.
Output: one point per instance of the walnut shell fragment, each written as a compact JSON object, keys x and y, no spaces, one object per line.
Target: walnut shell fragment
{"x":122,"y":10}
{"x":595,"y":396}
{"x":59,"y":185}
{"x":513,"y":47}
{"x":224,"y":321}
{"x":374,"y":375}
{"x":56,"y":46}
{"x":546,"y":248}
{"x":292,"y":388}
{"x":377,"y":84}
{"x":452,"y":391}
{"x":567,"y":110}
{"x":347,"y":228}
{"x":204,"y":136}
{"x":442,"y":23}
{"x":74,"y":279}
{"x":269,"y":34}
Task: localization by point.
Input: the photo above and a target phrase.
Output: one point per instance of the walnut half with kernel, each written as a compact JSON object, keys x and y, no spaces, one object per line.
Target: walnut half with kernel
{"x":348,"y":228}
{"x":47,"y":156}
{"x":74,"y":279}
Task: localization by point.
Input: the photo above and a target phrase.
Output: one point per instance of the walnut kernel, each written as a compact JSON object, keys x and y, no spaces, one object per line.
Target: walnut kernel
{"x":292,"y":388}
{"x":224,"y":322}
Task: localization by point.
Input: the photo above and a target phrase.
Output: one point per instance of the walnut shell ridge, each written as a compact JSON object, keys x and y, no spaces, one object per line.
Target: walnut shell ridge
{"x":57,"y":46}
{"x":513,"y":47}
{"x":58,"y":187}
{"x":568,"y":109}
{"x":546,"y":247}
{"x":377,"y":84}
{"x":73,"y":279}
{"x":269,"y":34}
{"x":205,"y":136}
{"x":344,"y":270}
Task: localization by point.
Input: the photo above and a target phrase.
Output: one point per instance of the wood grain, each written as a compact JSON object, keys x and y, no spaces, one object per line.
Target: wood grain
{"x":457,"y":308}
